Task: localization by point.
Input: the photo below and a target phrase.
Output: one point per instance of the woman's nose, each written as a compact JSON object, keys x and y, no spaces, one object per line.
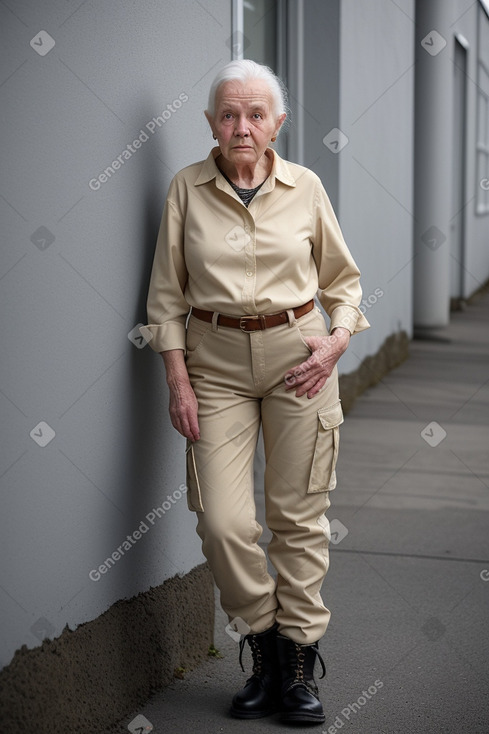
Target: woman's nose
{"x":242,"y":128}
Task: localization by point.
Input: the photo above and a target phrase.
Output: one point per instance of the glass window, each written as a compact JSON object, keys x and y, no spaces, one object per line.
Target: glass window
{"x":260,"y":22}
{"x":264,"y":33}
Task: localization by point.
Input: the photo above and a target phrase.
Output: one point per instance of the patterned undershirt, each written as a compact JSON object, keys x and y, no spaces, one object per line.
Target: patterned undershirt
{"x":245,"y":195}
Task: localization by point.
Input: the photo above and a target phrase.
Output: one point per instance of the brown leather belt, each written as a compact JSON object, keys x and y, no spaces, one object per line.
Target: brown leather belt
{"x":253,"y":323}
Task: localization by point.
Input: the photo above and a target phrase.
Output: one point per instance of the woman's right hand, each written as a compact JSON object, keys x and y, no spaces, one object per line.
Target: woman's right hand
{"x":183,"y":403}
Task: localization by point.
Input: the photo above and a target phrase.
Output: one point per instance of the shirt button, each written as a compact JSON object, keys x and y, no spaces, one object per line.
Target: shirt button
{"x":249,"y":273}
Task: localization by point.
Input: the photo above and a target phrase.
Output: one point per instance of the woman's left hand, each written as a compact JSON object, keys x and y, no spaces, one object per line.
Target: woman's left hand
{"x":310,"y":376}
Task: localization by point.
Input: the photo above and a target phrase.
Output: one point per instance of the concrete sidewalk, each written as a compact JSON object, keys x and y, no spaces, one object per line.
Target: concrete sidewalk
{"x":407,"y":649}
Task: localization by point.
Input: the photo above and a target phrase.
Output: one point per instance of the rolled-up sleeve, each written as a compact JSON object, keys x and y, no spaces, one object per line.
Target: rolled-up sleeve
{"x":339,"y":293}
{"x":167,"y":307}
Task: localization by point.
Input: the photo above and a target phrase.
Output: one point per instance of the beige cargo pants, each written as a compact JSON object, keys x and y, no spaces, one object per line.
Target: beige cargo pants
{"x":238,"y":378}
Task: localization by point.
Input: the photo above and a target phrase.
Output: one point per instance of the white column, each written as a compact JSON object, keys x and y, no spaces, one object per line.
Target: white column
{"x":433,"y":163}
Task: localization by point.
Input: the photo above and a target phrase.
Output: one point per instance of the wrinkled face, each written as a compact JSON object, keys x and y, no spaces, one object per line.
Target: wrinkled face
{"x":243,"y":121}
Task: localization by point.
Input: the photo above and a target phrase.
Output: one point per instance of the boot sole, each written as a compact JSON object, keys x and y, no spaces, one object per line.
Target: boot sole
{"x":251,"y":714}
{"x":303,"y":718}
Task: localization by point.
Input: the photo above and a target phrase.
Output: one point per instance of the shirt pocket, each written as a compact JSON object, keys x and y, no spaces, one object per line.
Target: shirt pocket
{"x":194,"y":496}
{"x":323,"y":470}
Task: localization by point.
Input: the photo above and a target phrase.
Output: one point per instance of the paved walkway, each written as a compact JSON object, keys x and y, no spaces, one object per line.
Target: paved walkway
{"x":407,"y":649}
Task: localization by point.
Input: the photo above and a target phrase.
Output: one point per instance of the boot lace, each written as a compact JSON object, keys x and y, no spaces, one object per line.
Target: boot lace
{"x":255,"y":652}
{"x":300,"y":658}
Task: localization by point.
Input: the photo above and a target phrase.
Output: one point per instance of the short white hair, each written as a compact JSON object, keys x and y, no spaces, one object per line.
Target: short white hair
{"x":245,"y":70}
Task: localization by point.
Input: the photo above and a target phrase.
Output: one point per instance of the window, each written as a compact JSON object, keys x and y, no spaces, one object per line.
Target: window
{"x":259,"y":32}
{"x":260,"y":23}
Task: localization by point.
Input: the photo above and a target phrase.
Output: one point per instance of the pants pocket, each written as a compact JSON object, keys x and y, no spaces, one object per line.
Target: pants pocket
{"x":312,"y":324}
{"x":196,"y":332}
{"x":194,"y":497}
{"x":323,"y":470}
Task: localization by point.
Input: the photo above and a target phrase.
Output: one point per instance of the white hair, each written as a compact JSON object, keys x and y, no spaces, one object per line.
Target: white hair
{"x":245,"y":70}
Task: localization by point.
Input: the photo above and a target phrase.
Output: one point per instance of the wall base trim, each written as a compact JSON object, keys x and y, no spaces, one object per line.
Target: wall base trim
{"x":87,"y":679}
{"x":391,"y":354}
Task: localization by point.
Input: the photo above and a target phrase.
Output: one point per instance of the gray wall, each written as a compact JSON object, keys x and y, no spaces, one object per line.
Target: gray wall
{"x":359,"y":63}
{"x":472,"y":22}
{"x":376,"y":165}
{"x":358,"y":79}
{"x":74,"y":274}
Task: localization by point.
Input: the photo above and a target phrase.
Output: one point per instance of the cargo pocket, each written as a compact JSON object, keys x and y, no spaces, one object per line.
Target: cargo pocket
{"x":323,"y":474}
{"x":194,"y":498}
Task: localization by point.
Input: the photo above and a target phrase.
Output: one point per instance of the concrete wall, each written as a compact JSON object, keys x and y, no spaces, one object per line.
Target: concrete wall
{"x":472,"y":22}
{"x":359,"y":77}
{"x":376,"y":164}
{"x":74,"y":275}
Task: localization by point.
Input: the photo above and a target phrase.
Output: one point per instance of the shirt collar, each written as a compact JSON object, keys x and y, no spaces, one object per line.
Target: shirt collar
{"x":280,"y":170}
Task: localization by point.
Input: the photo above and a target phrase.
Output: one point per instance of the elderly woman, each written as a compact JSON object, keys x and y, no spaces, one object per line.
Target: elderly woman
{"x":246,"y":242}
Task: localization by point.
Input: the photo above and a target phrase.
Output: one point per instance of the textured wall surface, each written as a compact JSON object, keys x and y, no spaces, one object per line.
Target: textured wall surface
{"x":85,"y":681}
{"x":90,"y":466}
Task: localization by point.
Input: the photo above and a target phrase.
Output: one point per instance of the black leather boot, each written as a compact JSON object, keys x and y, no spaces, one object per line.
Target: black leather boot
{"x":260,"y":696}
{"x":300,"y":702}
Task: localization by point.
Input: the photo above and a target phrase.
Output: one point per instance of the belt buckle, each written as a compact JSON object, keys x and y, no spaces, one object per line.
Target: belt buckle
{"x":259,"y":317}
{"x":243,"y":320}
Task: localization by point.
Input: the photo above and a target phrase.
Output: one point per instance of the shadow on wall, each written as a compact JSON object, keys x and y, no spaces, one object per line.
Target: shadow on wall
{"x":139,"y":461}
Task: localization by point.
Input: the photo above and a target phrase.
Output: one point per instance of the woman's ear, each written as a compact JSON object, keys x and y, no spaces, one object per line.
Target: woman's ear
{"x":210,"y":120}
{"x":280,"y":122}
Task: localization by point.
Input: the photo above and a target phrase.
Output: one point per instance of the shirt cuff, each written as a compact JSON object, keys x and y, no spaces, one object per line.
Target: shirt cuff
{"x":350,"y":318}
{"x":162,"y":337}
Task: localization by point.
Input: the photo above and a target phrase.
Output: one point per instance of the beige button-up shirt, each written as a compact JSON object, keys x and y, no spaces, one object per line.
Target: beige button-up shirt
{"x":214,"y":253}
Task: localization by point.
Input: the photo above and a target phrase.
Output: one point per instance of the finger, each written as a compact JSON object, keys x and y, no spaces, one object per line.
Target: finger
{"x":306,"y":377}
{"x":306,"y":387}
{"x":317,"y":387}
{"x":194,"y":427}
{"x":291,"y":376}
{"x":298,"y":374}
{"x":185,"y":428}
{"x":181,"y":425}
